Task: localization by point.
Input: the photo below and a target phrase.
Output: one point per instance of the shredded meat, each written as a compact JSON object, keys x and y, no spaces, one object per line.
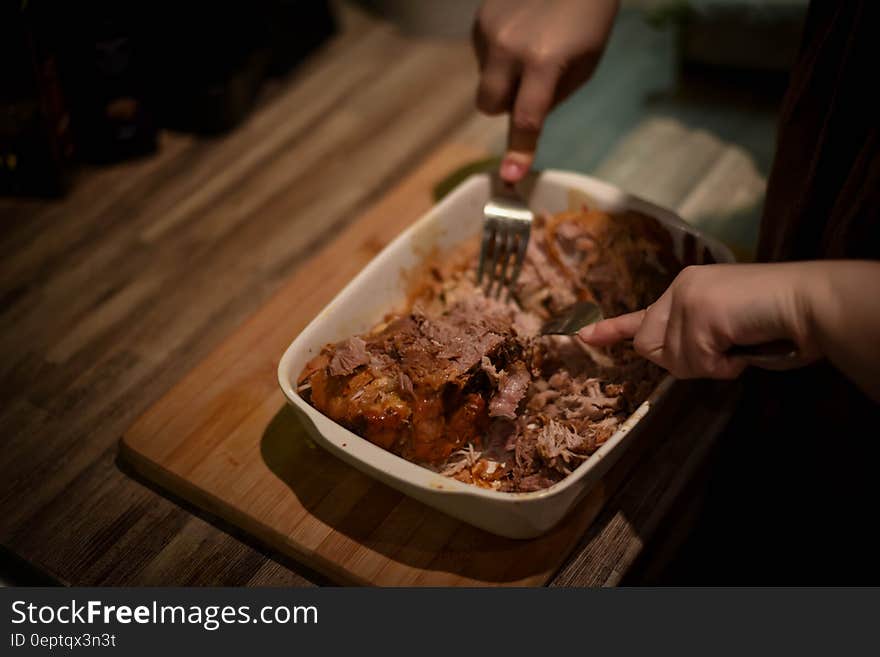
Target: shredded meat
{"x":348,"y":356}
{"x":513,"y":383}
{"x":465,"y":384}
{"x":558,"y":446}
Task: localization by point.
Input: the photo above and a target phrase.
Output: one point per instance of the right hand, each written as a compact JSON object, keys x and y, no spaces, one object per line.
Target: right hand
{"x":532,"y":55}
{"x":710,"y":308}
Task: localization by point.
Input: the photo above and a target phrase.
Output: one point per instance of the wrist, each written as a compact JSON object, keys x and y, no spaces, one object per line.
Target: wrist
{"x":815,"y":302}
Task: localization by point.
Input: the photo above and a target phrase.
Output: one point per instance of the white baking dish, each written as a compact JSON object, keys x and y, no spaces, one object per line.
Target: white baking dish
{"x":381,"y":287}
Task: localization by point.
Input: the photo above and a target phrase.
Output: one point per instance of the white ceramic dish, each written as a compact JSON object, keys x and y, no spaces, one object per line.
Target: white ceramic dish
{"x":381,"y":287}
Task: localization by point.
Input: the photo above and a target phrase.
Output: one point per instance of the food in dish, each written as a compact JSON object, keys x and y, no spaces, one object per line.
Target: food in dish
{"x":465,"y":385}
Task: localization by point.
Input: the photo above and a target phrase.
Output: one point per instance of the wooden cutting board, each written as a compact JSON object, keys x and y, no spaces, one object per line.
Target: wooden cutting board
{"x":224,"y":440}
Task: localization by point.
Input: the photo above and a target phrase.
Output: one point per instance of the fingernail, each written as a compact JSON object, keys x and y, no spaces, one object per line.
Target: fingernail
{"x":512,"y":170}
{"x":587,"y":332}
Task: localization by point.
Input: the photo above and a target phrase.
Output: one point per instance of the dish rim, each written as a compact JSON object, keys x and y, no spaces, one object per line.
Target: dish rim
{"x":413,"y":474}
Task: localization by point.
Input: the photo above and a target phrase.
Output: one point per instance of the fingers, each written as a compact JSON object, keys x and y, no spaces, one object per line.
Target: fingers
{"x":498,"y":83}
{"x":725,"y":367}
{"x":611,"y":331}
{"x":650,"y":339}
{"x":516,"y":165}
{"x":678,"y":354}
{"x":679,"y":335}
{"x":533,"y":53}
{"x":676,"y":337}
{"x":666,"y":334}
{"x":706,"y":310}
{"x":534,"y":99}
{"x":697,"y":356}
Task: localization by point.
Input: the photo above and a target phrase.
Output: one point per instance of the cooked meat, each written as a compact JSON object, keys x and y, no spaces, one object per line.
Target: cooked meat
{"x":465,"y":385}
{"x":416,"y":386}
{"x":348,"y":356}
{"x":558,"y":446}
{"x":513,"y":383}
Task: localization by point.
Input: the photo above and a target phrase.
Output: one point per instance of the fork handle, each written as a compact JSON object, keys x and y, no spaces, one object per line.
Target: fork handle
{"x":776,"y":352}
{"x":766,"y":354}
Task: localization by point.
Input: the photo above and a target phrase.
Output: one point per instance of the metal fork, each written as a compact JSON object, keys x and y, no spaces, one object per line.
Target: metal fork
{"x":507,"y":224}
{"x":778,"y":353}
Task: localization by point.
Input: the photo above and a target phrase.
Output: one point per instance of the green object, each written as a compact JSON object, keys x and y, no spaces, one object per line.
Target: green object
{"x":673,"y":13}
{"x":458,"y":176}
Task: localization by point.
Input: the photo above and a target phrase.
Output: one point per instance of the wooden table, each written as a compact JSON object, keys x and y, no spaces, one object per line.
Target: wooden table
{"x":108,"y":297}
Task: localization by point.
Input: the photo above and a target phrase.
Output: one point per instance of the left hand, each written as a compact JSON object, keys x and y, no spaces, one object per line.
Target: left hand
{"x":532,"y":55}
{"x":708,"y":309}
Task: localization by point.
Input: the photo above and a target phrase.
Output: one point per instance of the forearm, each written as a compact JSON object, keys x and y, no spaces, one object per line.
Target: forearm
{"x":842,"y":303}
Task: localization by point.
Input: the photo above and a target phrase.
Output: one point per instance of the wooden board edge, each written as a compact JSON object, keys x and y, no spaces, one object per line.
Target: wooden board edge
{"x":268,"y":539}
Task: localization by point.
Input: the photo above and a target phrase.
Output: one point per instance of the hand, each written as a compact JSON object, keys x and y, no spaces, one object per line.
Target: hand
{"x":532,"y":55}
{"x":708,"y":309}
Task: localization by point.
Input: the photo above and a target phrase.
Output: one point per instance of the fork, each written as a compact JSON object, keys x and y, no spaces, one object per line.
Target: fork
{"x":767,"y":354}
{"x":507,"y":224}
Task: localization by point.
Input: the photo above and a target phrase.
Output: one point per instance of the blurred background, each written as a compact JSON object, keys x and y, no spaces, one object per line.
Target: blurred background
{"x":691,"y":85}
{"x":165,"y":166}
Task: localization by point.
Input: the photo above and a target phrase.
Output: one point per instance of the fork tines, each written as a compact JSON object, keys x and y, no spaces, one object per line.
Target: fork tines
{"x":506,"y":228}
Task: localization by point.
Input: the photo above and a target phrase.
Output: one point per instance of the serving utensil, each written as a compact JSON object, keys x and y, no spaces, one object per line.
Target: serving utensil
{"x":507,"y":224}
{"x":768,"y":354}
{"x":573,"y":319}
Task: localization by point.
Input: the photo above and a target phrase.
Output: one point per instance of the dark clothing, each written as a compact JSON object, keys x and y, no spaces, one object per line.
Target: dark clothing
{"x":794,"y":495}
{"x":823,"y":197}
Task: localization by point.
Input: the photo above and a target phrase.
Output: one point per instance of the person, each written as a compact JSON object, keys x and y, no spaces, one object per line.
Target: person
{"x":793,"y":497}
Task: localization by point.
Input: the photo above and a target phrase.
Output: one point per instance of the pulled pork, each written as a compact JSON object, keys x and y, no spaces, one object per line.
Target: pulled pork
{"x":465,"y":384}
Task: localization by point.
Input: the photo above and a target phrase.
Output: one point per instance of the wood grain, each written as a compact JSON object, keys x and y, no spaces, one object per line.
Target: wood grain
{"x":225,"y":440}
{"x":109,"y":297}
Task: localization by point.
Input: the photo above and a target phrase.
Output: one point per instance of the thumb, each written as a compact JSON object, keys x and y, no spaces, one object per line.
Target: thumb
{"x":611,"y":331}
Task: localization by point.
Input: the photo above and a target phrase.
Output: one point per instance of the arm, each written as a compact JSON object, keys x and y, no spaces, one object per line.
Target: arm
{"x":844,"y":303}
{"x":532,"y":55}
{"x":828,"y":308}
